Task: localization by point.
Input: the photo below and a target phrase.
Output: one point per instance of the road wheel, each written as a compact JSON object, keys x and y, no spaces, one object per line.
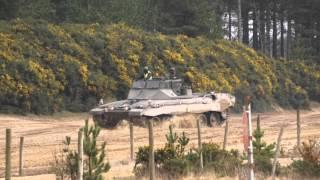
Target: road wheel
{"x":203,"y":120}
{"x":140,"y":121}
{"x":98,"y":119}
{"x":213,"y":119}
{"x":224,"y":114}
{"x":157,"y":121}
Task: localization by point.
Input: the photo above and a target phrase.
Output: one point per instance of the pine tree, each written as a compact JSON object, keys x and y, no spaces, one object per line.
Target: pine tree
{"x":261,"y":148}
{"x":245,"y":8}
{"x":183,"y":142}
{"x":262,"y":152}
{"x":95,"y":164}
{"x":8,"y":9}
{"x":171,"y":137}
{"x":255,"y":19}
{"x":61,"y":9}
{"x":274,"y":29}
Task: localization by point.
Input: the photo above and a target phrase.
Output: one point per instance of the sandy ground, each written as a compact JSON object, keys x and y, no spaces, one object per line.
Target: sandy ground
{"x":37,"y":177}
{"x":44,"y":135}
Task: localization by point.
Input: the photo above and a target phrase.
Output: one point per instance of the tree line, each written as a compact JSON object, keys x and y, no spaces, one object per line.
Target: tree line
{"x":279,"y":28}
{"x":282,"y":28}
{"x":67,"y":54}
{"x":191,"y":17}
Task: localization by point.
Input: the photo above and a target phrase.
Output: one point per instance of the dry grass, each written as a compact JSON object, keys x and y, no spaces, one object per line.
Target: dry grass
{"x":44,"y":134}
{"x":37,"y":177}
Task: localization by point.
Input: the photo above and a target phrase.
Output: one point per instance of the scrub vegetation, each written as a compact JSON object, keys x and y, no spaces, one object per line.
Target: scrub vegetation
{"x":47,"y":68}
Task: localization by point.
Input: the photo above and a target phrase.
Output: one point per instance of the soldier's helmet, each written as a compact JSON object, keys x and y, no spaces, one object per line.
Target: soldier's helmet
{"x":146,"y":69}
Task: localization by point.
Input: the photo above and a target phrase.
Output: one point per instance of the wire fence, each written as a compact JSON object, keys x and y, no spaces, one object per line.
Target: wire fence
{"x":39,"y":153}
{"x":43,"y":142}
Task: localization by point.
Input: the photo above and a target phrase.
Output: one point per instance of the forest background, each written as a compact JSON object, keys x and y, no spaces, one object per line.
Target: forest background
{"x":60,"y":55}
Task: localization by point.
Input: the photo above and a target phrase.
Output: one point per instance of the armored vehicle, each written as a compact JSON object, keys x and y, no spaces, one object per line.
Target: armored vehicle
{"x":161,"y":99}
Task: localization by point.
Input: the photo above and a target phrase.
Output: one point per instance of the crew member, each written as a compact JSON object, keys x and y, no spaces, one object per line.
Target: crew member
{"x":146,"y":73}
{"x":172,"y":73}
{"x":101,"y":101}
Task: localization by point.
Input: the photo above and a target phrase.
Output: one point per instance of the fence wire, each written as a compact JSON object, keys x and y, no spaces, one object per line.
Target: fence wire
{"x":39,"y":153}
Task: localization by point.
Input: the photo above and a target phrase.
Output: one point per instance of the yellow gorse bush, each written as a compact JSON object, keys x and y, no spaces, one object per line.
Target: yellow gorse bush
{"x":173,"y":56}
{"x":79,"y":64}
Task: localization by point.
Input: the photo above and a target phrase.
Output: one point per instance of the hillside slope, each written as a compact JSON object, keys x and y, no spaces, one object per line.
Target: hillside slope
{"x":46,"y":68}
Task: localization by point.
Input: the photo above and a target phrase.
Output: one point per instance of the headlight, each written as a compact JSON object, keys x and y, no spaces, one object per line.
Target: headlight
{"x":111,"y":108}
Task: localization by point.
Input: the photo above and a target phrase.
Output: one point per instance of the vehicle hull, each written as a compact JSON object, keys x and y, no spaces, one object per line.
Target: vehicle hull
{"x":111,"y":114}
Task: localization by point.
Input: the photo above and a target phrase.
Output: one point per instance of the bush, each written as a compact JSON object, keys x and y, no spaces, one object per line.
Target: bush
{"x":173,"y":160}
{"x":306,"y":168}
{"x":47,"y":68}
{"x":176,"y":167}
{"x":263,"y":164}
{"x":224,"y":163}
{"x":66,"y":161}
{"x":170,"y":160}
{"x":310,"y":163}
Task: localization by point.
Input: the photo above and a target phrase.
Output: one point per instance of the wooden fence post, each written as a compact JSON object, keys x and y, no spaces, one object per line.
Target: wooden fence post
{"x":80,"y":154}
{"x":131,"y":140}
{"x":225,"y":139}
{"x":298,"y":127}
{"x":8,"y":154}
{"x":21,"y":157}
{"x":151,"y":151}
{"x":258,"y":122}
{"x":277,"y":153}
{"x":199,"y":142}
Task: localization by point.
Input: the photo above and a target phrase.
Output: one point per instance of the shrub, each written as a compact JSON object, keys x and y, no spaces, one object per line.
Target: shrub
{"x":66,"y":161}
{"x":77,"y":63}
{"x":173,"y":161}
{"x":176,"y":167}
{"x":306,"y":168}
{"x":170,"y":160}
{"x":224,"y":163}
{"x":310,"y":151}
{"x":142,"y":161}
{"x":310,"y":163}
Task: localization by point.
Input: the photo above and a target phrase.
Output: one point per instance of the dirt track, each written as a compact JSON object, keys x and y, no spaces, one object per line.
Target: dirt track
{"x":44,"y":135}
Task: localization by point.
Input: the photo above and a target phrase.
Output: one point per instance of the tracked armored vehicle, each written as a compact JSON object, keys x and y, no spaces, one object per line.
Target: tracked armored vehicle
{"x":161,"y":99}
